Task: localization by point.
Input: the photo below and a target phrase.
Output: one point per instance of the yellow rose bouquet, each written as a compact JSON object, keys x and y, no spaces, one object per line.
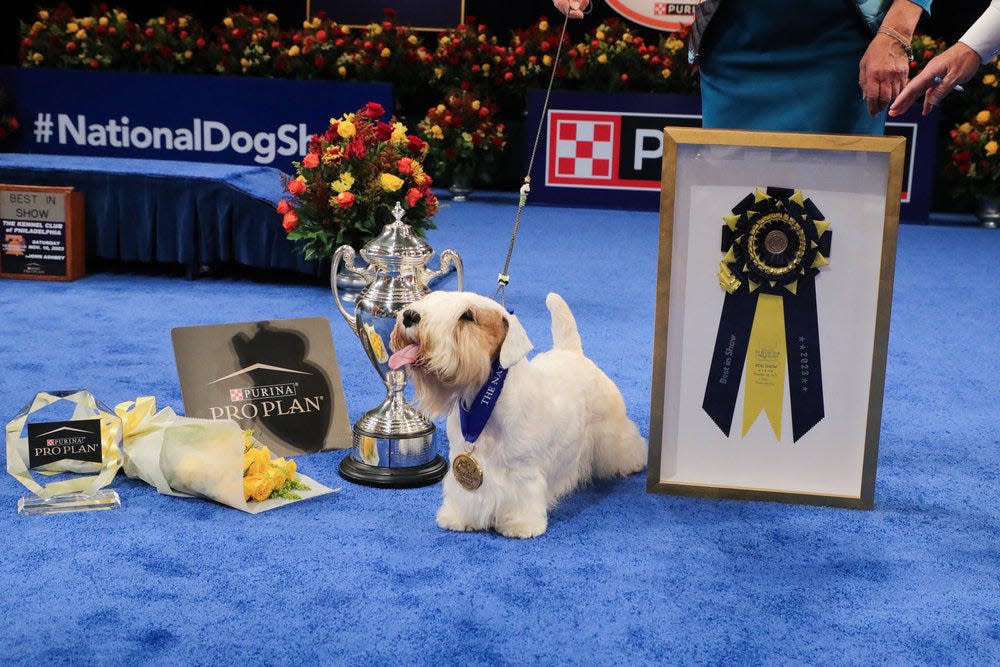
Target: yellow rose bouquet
{"x":205,"y":458}
{"x":348,"y":183}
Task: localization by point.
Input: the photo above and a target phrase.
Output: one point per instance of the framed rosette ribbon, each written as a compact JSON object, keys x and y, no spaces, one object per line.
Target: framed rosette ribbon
{"x":769,"y":355}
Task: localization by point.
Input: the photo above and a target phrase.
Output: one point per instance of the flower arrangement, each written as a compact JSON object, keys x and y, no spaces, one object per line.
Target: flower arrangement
{"x":247,"y":42}
{"x":464,"y":137}
{"x":530,"y":57}
{"x":615,"y":58}
{"x":469,"y":57}
{"x":315,"y":51}
{"x":974,"y":163}
{"x":389,"y":52}
{"x":171,"y":43}
{"x":58,"y":39}
{"x":347,"y":184}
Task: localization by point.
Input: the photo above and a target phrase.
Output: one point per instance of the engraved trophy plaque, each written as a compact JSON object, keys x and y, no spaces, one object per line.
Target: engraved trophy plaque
{"x":394,"y":442}
{"x":65,"y":446}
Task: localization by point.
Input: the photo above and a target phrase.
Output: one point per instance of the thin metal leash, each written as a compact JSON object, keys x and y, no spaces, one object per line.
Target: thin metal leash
{"x":504,"y":278}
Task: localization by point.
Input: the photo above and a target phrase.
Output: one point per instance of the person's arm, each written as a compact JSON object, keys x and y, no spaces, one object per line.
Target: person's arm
{"x":885,"y":65}
{"x":955,"y":66}
{"x":574,"y":8}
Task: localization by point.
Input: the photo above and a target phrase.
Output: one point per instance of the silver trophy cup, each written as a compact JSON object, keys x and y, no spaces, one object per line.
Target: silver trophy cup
{"x":394,"y":442}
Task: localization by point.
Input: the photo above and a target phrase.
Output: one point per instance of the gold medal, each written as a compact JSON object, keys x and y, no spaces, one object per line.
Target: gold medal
{"x":467,"y":472}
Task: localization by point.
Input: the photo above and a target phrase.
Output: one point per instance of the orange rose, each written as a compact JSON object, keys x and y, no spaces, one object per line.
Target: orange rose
{"x":310,"y":161}
{"x":345,"y":199}
{"x":413,"y":195}
{"x":291,"y":221}
{"x":296,"y":187}
{"x":284,"y":207}
{"x":405,"y":166}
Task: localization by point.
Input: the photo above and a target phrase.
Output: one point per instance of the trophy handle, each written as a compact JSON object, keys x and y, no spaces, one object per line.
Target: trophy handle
{"x":449,"y":260}
{"x":346,"y":254}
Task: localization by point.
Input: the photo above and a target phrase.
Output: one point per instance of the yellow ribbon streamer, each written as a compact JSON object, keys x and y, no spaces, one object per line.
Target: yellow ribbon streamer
{"x":765,"y":367}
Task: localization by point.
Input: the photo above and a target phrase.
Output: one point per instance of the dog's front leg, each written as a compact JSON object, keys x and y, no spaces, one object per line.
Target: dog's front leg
{"x":524,"y":513}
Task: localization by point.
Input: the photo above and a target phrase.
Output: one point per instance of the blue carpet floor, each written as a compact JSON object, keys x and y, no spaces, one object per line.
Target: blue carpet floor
{"x":622,"y":577}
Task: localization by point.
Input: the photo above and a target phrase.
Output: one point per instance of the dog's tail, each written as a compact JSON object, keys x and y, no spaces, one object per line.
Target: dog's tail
{"x":564,"y":333}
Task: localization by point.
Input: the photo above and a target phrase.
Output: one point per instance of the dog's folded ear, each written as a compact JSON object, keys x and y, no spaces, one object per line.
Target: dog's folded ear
{"x":516,"y":344}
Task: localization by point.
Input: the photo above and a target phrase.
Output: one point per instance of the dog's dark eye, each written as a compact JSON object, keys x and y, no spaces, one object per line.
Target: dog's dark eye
{"x":468,"y":316}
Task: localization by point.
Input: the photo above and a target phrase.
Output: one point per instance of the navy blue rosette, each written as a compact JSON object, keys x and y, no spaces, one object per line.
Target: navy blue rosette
{"x":774,"y":244}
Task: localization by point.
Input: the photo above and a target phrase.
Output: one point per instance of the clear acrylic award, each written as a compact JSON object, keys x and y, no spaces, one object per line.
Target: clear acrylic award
{"x":65,"y":447}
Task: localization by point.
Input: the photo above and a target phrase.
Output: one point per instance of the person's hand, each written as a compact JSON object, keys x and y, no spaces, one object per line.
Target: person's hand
{"x":883,"y":72}
{"x":953,"y":67}
{"x":572,"y":8}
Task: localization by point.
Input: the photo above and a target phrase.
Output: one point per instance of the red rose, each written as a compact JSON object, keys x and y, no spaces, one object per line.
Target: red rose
{"x":321,"y":35}
{"x":416,"y":143}
{"x":148,"y":32}
{"x":291,"y":221}
{"x":310,"y":161}
{"x":13,"y":124}
{"x":405,"y":166}
{"x":413,"y":195}
{"x":200,"y":42}
{"x":383,"y":131}
{"x":70,"y":46}
{"x":296,"y":187}
{"x":374,"y":110}
{"x":345,"y":199}
{"x":284,"y":207}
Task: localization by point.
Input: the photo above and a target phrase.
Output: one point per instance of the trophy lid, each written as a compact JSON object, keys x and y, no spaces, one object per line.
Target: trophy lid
{"x":397,"y":244}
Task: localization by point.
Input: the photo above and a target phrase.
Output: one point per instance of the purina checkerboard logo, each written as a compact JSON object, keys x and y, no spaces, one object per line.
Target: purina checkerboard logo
{"x":592,"y":149}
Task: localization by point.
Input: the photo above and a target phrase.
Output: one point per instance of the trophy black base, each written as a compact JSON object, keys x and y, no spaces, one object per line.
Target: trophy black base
{"x":409,"y":477}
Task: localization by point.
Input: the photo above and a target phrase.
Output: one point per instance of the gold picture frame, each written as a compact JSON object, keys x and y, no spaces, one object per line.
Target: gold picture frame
{"x":735,"y":186}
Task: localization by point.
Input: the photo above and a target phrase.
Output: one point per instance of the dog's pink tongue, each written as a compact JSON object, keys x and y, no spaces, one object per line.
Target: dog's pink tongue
{"x":404,"y":357}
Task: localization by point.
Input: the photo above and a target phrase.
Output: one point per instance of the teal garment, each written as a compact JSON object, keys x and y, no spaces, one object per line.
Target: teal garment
{"x":773,"y":65}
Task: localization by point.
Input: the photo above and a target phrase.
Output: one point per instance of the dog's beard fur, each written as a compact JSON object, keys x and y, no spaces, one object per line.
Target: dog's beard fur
{"x":452,"y":365}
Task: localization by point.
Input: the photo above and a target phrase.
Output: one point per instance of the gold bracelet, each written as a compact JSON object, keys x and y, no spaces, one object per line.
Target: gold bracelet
{"x":903,"y":42}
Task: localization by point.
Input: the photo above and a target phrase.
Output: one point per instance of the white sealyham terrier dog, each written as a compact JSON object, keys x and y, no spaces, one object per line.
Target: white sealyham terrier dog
{"x":522,"y":433}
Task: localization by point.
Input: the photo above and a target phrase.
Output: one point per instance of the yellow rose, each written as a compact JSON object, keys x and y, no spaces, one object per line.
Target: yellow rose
{"x":121,"y":16}
{"x":317,"y":22}
{"x":182,"y":22}
{"x":103,"y":20}
{"x":346,"y":129}
{"x":81,"y":34}
{"x":965,"y":128}
{"x":44,"y":15}
{"x":228,"y":22}
{"x":271,"y":18}
{"x":547,"y":60}
{"x":385,"y":53}
{"x":466,"y":137}
{"x":476,"y":104}
{"x":666,"y":73}
{"x":390,"y":182}
{"x":989,"y":79}
{"x":188,"y":55}
{"x":602,"y":59}
{"x":983,"y":116}
{"x":72,"y":27}
{"x":438,"y":72}
{"x":412,"y":39}
{"x":37,"y":57}
{"x":991,"y":148}
{"x":258,"y":488}
{"x":342,"y":71}
{"x":543,"y":25}
{"x":600,"y":35}
{"x":436,"y":132}
{"x":294,"y":51}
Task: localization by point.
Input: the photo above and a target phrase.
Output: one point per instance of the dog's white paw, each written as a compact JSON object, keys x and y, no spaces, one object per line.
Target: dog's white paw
{"x":449,"y":519}
{"x":523,"y":527}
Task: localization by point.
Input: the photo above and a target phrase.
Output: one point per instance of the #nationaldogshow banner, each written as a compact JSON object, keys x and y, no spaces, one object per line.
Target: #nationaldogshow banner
{"x":233,"y":120}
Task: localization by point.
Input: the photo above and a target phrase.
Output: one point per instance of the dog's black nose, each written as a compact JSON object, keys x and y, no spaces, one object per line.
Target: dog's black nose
{"x":410,"y":317}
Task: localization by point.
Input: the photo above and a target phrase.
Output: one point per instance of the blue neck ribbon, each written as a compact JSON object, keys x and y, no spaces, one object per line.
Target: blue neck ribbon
{"x":474,"y":419}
